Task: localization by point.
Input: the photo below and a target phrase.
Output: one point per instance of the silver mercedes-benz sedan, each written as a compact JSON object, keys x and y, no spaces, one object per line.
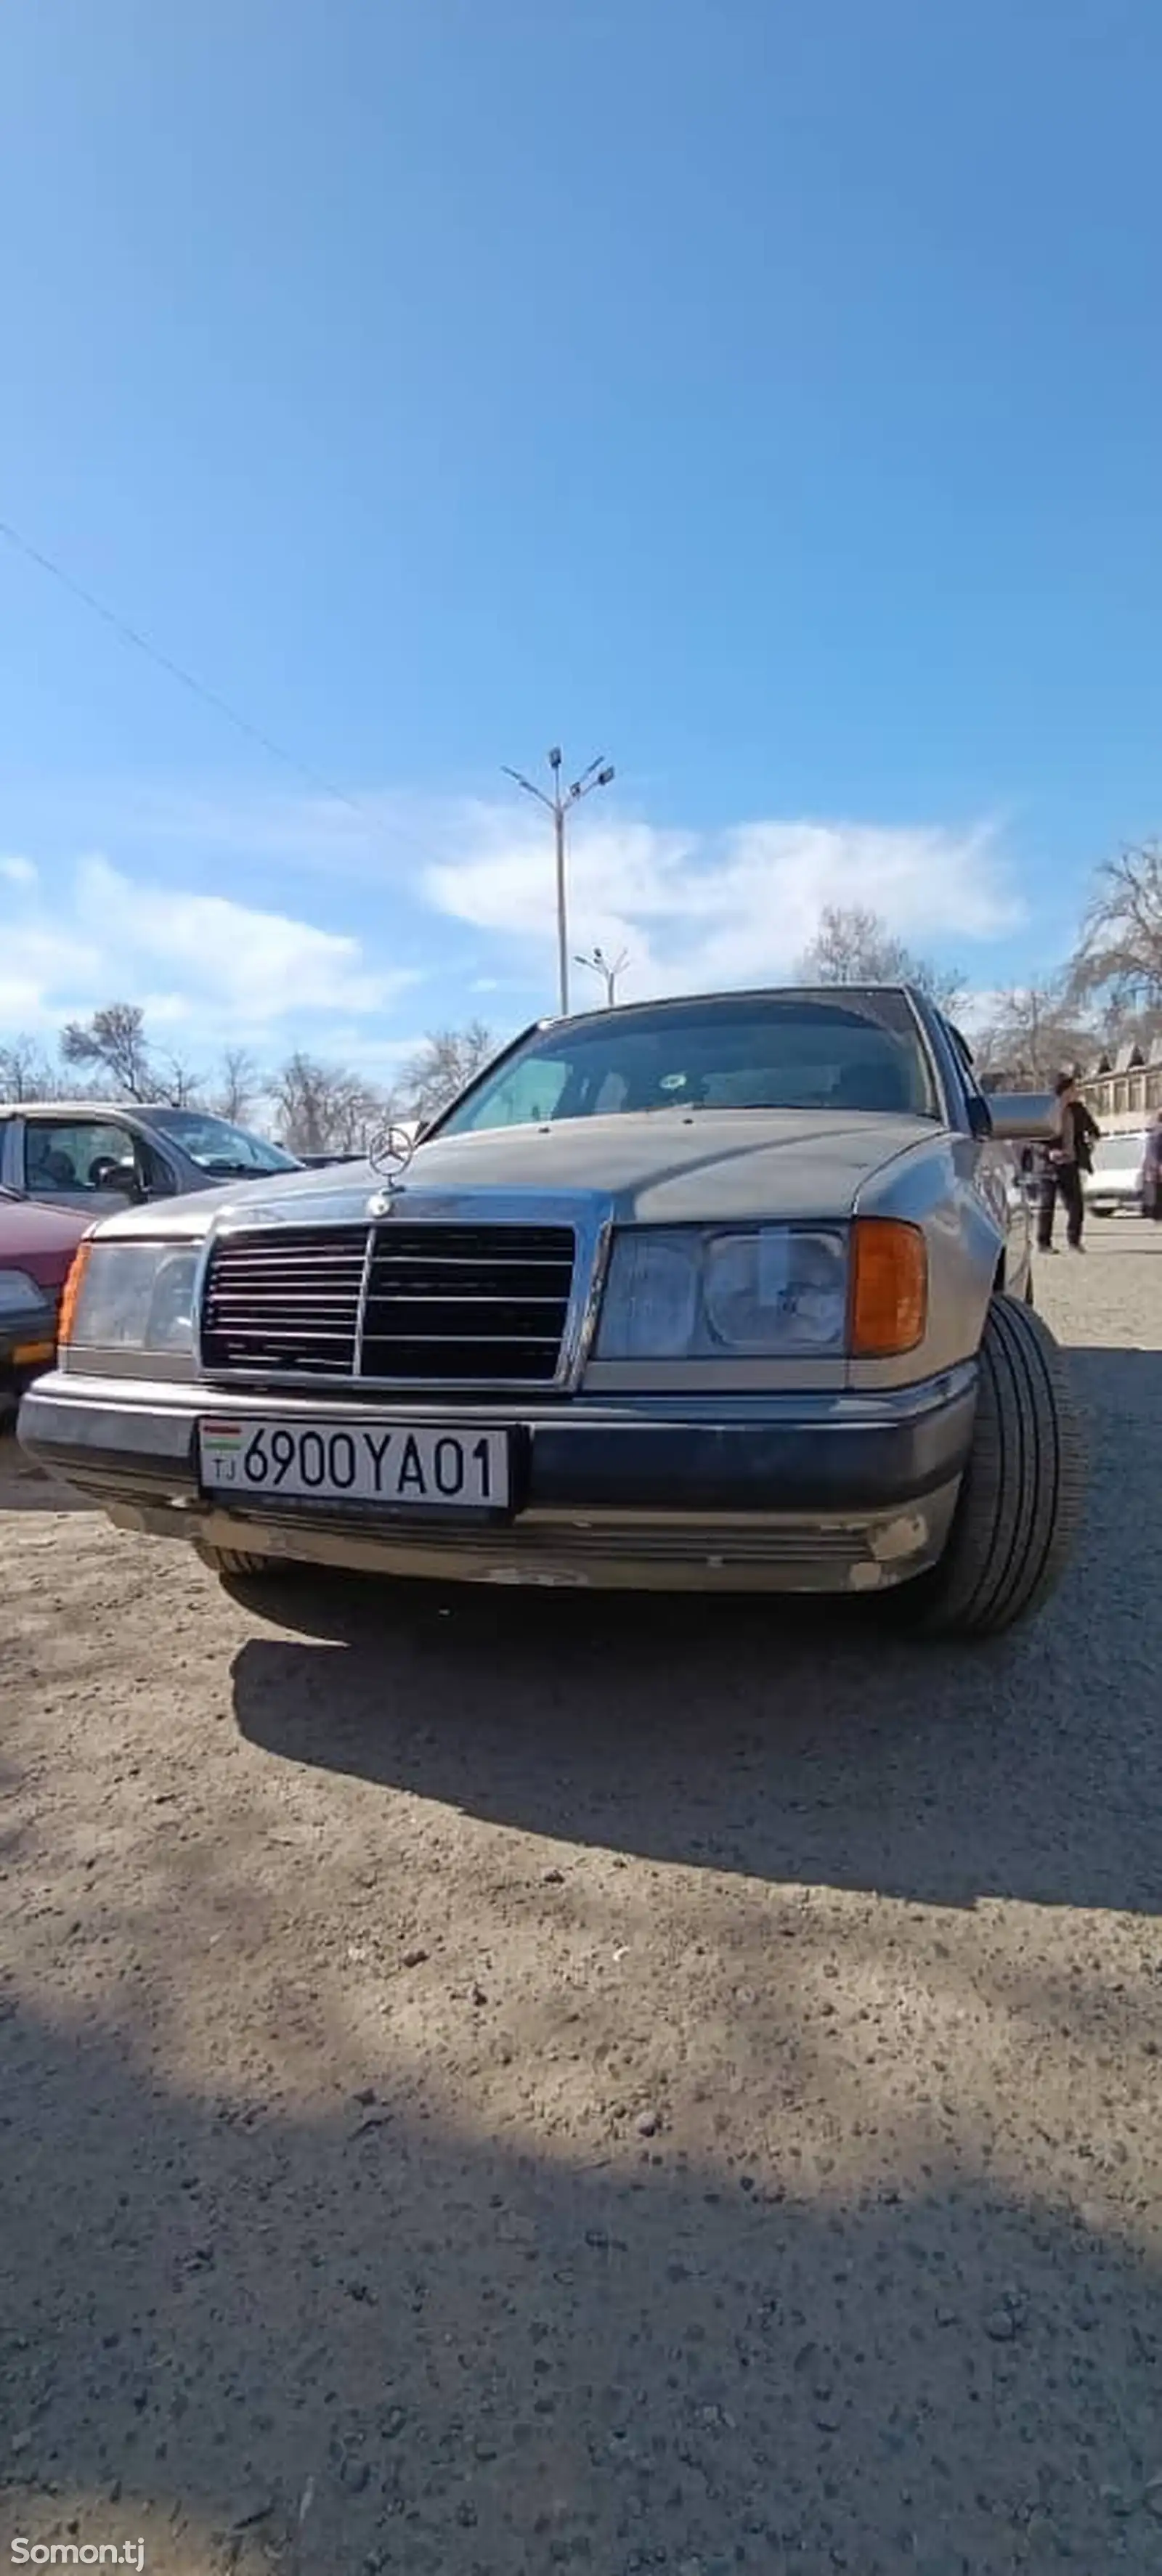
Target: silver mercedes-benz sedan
{"x":730,"y":1292}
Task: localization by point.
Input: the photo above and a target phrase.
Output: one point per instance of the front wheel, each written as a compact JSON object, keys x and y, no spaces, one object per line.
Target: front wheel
{"x":238,"y":1560}
{"x":1020,"y":1499}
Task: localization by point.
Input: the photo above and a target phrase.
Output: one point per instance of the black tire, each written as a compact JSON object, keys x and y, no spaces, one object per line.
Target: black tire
{"x":238,"y":1560}
{"x":1019,"y":1506}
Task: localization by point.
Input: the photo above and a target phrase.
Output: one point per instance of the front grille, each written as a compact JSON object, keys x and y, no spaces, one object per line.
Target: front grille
{"x":285,"y":1300}
{"x":445,"y":1304}
{"x":467,"y":1303}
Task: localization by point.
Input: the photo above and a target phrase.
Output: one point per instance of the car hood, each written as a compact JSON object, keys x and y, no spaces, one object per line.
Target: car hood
{"x":667,"y":1167}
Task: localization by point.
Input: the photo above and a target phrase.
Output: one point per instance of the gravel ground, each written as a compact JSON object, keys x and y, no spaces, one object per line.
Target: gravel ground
{"x":512,"y":2082}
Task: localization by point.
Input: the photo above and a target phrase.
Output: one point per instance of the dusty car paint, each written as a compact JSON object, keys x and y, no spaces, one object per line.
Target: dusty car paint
{"x":704,"y":1167}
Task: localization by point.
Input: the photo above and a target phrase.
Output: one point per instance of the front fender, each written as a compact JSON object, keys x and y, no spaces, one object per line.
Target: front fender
{"x":958,"y":1199}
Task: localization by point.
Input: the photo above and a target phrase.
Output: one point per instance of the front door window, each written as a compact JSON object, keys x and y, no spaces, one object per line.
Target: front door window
{"x":83,"y":1161}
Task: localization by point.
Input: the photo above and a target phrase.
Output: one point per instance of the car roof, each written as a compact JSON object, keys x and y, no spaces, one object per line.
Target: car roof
{"x":82,"y":1108}
{"x":732,"y":993}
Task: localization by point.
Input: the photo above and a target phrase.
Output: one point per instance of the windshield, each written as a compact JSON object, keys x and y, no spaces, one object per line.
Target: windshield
{"x":851,"y":1053}
{"x":218,"y":1146}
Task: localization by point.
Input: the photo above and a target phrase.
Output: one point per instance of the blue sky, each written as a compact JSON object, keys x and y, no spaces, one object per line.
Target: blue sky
{"x":765,"y":397}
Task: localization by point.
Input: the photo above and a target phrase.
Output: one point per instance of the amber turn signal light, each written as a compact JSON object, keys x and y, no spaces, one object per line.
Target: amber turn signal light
{"x":72,"y":1290}
{"x":889,"y":1297}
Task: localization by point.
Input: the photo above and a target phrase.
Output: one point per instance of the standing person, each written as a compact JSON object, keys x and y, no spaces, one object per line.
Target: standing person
{"x":1152,"y":1173}
{"x":1065,"y":1161}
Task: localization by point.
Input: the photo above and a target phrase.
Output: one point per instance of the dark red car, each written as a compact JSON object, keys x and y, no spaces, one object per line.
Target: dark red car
{"x":37,"y":1244}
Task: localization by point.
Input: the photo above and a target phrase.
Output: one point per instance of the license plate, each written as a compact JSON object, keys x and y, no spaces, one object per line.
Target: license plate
{"x":395,"y":1465}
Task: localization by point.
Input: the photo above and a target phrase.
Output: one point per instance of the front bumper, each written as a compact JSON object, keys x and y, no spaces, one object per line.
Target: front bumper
{"x":824,"y":1493}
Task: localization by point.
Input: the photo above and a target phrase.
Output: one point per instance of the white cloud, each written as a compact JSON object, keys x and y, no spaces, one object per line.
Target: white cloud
{"x":463,"y":887}
{"x":197,"y":960}
{"x":704,"y":909}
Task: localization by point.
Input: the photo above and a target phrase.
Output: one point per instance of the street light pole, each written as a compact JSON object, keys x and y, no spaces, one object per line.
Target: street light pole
{"x":607,"y":969}
{"x":598,"y":774}
{"x":562,"y":922}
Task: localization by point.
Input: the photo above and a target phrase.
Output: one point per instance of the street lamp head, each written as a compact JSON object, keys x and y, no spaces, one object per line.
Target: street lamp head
{"x":555,"y":756}
{"x":604,"y":775}
{"x":527,"y":785}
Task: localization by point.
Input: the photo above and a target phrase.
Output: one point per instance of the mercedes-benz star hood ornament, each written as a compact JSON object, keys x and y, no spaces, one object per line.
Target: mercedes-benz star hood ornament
{"x":389,"y":1154}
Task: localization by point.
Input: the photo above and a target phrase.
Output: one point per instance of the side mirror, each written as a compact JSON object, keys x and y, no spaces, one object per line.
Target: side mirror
{"x":107,"y":1174}
{"x":1024,"y":1117}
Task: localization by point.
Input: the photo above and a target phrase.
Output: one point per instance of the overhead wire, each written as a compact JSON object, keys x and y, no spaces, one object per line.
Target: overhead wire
{"x":141,"y":643}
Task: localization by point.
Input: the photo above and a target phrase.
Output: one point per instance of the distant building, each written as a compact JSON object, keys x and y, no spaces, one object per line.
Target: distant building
{"x":1126,"y":1090}
{"x":1123,"y":1089}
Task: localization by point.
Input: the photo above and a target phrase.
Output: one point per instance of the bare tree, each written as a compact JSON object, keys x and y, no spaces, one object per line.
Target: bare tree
{"x":447,"y":1060}
{"x":854,"y":946}
{"x":25,"y":1072}
{"x":302,"y":1090}
{"x":113,"y":1042}
{"x":179,"y":1084}
{"x":1035,"y":1034}
{"x":1119,"y":954}
{"x":1142,"y":1026}
{"x":326,"y":1108}
{"x":238,"y":1086}
{"x":360,"y":1112}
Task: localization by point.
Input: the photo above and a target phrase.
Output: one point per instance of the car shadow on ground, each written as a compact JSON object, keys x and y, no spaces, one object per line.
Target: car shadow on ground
{"x":260,"y":2335}
{"x":788,"y":1743}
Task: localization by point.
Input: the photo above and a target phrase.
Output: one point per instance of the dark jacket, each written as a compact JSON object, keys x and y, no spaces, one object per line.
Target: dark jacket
{"x":1079,"y":1135}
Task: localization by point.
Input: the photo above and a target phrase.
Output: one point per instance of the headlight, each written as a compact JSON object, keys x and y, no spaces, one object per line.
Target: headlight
{"x":768,"y":1292}
{"x":19,"y":1294}
{"x":131,"y":1297}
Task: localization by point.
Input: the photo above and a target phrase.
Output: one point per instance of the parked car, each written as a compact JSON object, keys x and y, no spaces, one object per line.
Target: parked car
{"x":1118,"y":1177}
{"x":36,"y":1252}
{"x":730,"y":1292}
{"x":101,"y":1156}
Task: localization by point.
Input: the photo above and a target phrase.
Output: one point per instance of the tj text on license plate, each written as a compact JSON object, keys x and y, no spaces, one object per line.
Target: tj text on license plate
{"x":393,"y":1464}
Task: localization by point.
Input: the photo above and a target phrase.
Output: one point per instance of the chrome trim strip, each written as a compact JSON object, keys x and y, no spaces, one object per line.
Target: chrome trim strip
{"x":361,"y":1309}
{"x":845,"y":1409}
{"x":587,"y":1330}
{"x":201,"y":1281}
